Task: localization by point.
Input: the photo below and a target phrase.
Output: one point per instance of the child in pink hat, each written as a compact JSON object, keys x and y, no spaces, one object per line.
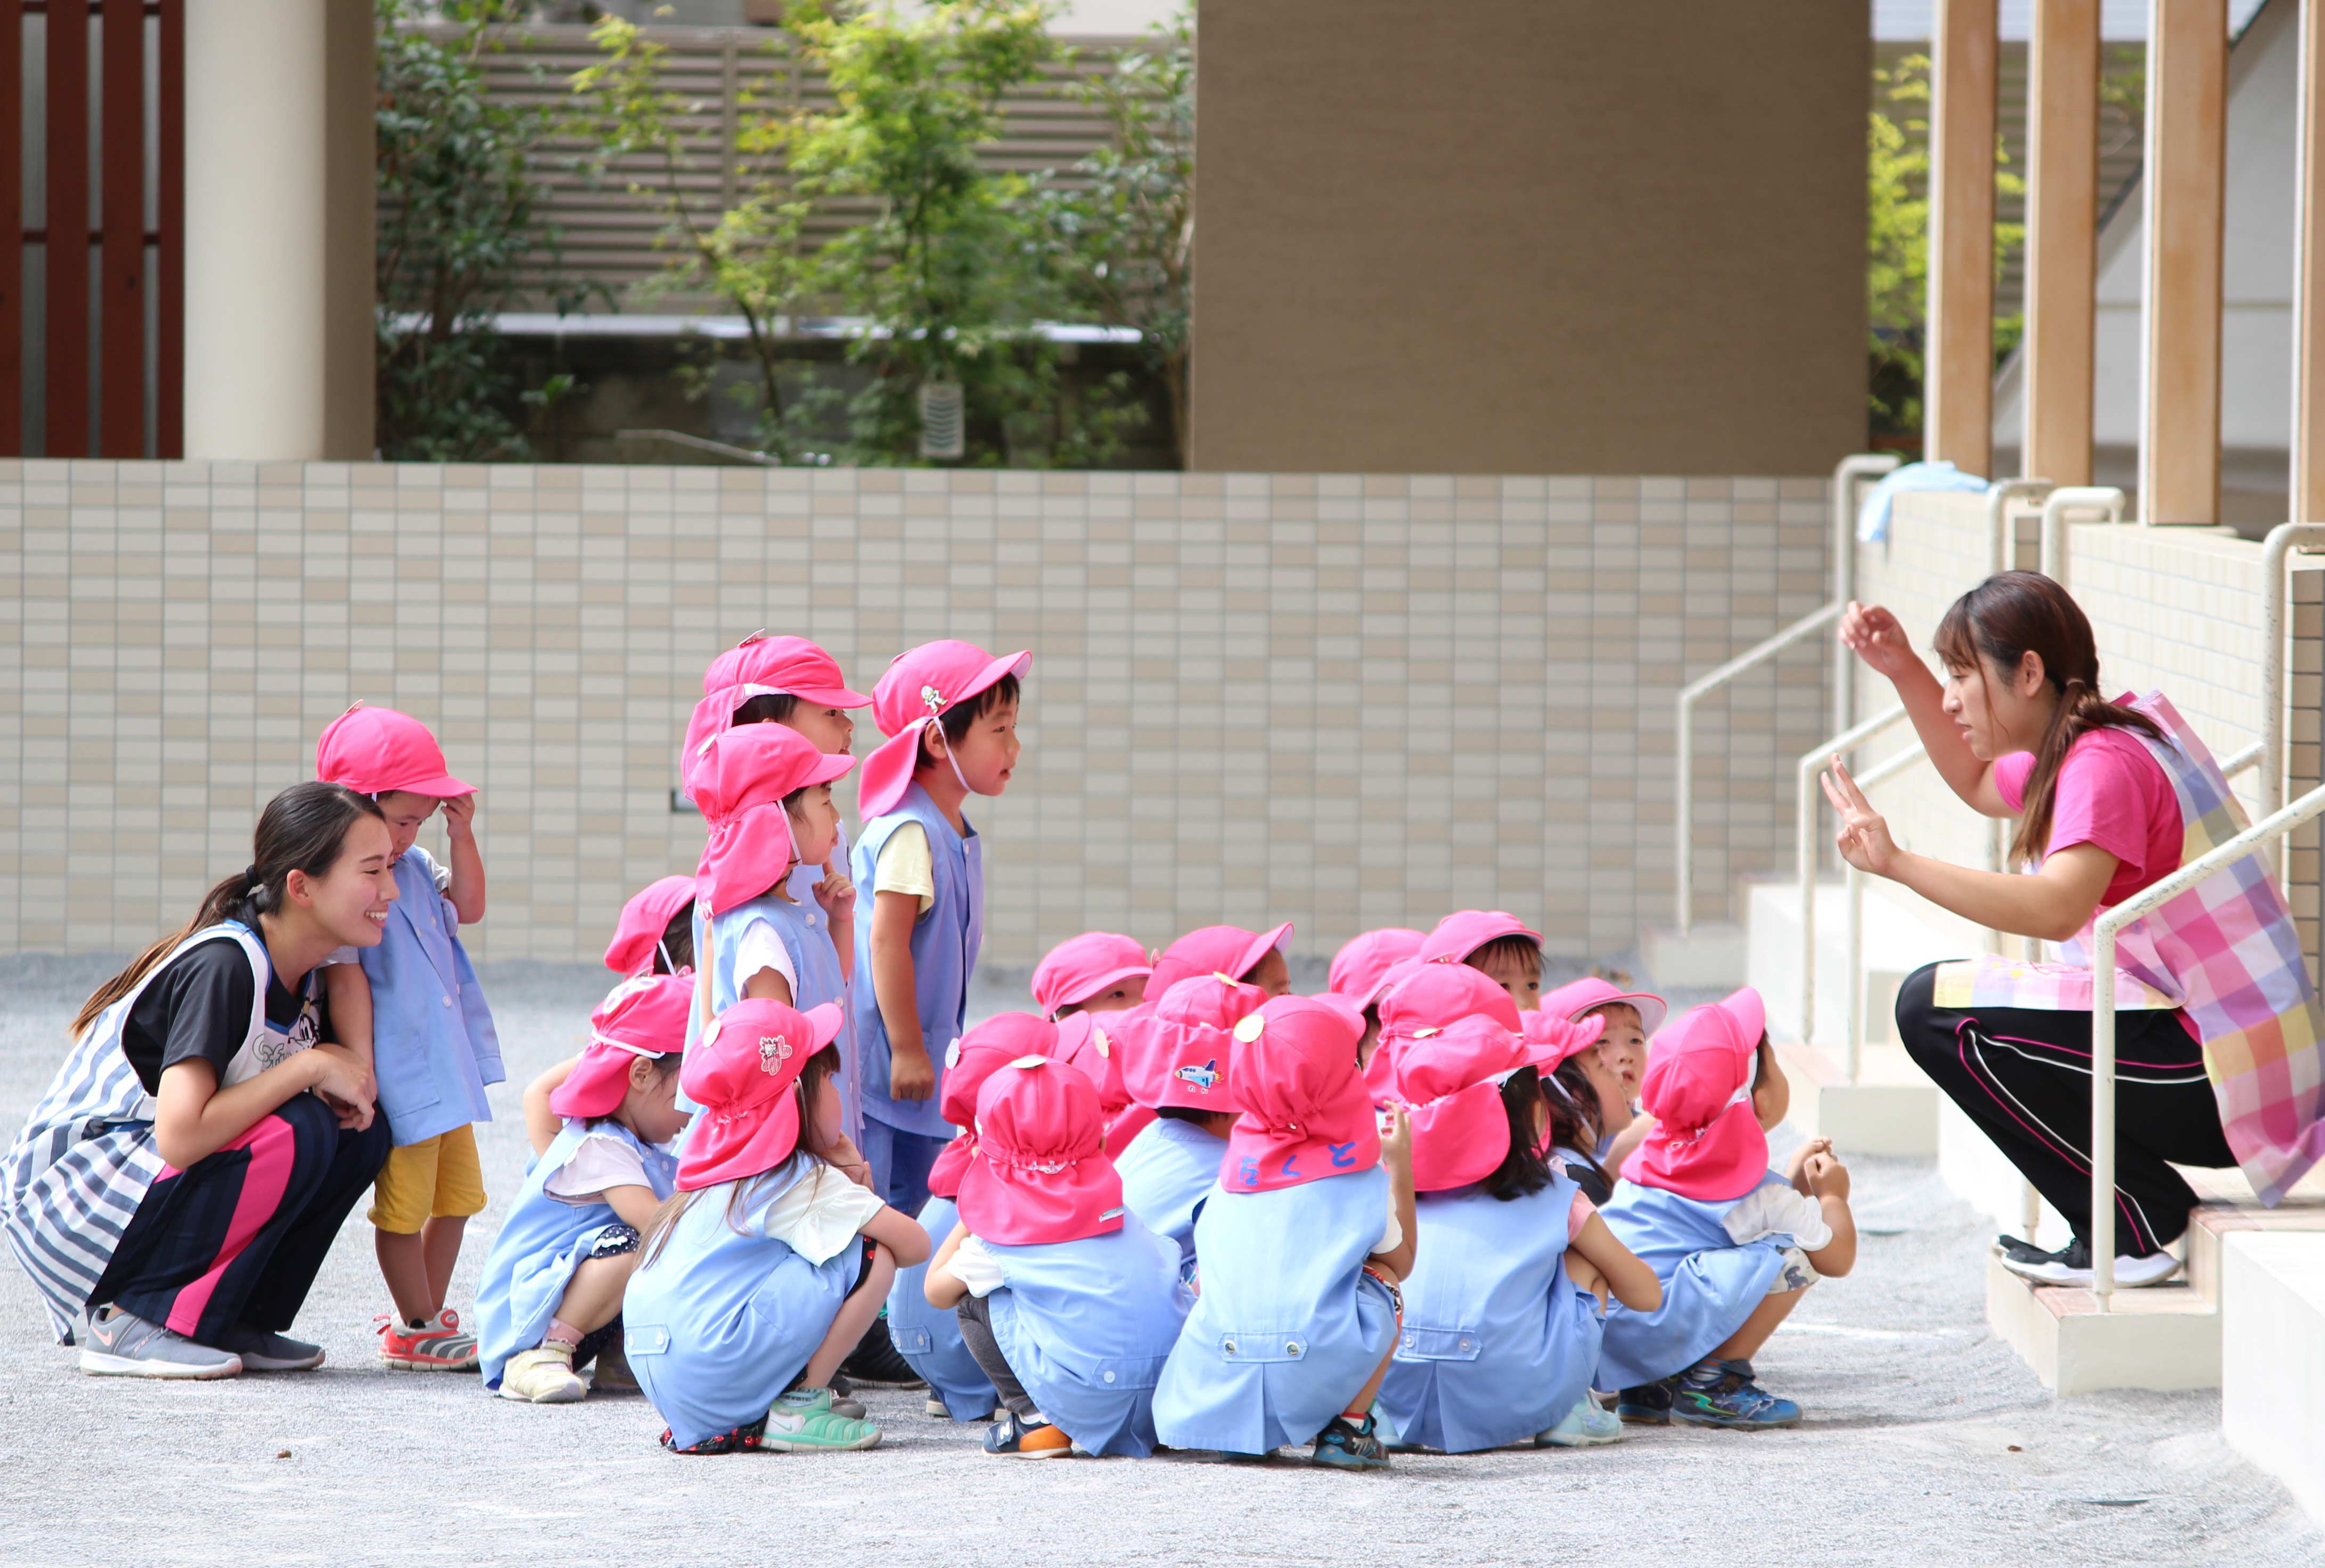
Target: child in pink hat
{"x":1097,"y":971}
{"x":654,"y":934}
{"x":1733,"y":1242}
{"x":1577,"y":1090}
{"x":412,"y":1007}
{"x":1502,"y":1318}
{"x":549,"y":1299}
{"x":930,"y":1340}
{"x":764,"y":1270}
{"x":1175,"y":1061}
{"x":1301,"y":1245}
{"x":1067,"y":1302}
{"x":1360,"y":972}
{"x":951,"y":712}
{"x":1254,"y":957}
{"x":1632,"y":1018}
{"x":1494,"y":941}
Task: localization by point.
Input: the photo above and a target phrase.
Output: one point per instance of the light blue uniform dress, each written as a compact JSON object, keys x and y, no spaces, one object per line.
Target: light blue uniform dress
{"x":1498,"y":1344}
{"x":543,"y":1241}
{"x":1710,"y":1284}
{"x":1087,"y":1325}
{"x":718,"y":1323}
{"x":929,"y":1337}
{"x":1288,"y":1326}
{"x":433,"y":1045}
{"x":945,"y":942}
{"x":1167,"y":1172}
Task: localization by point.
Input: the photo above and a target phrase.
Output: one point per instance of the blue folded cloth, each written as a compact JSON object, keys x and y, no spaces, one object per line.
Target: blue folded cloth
{"x":1873,"y":516}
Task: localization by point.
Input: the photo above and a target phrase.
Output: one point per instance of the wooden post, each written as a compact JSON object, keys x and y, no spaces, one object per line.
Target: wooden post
{"x":121,"y":277}
{"x":2187,"y":144}
{"x":65,"y":402}
{"x":2308,"y":498}
{"x":12,"y":230}
{"x":1957,"y":362}
{"x":2062,"y":156}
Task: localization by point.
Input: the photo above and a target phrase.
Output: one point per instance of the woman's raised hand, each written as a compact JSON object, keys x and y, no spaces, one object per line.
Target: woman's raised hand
{"x":1873,"y":635}
{"x":1863,"y":838}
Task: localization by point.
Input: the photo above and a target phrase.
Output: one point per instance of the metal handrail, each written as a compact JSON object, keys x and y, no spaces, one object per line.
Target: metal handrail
{"x":2281,"y":541}
{"x":1853,"y":1042}
{"x":2055,"y":508}
{"x":1845,"y":476}
{"x":2000,"y":555}
{"x":1807,"y":850}
{"x":2105,"y":930}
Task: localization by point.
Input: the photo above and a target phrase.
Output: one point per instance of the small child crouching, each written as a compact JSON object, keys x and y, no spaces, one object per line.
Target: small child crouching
{"x":1068,"y":1303}
{"x":1733,"y":1243}
{"x":771,"y":1260}
{"x":1301,"y":1248}
{"x":551,"y":1297}
{"x":1178,"y":1062}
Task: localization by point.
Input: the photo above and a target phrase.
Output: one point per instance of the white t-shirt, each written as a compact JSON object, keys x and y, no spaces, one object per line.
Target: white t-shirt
{"x":1779,"y":1209}
{"x":761,"y":946}
{"x":975,"y":1267}
{"x":602,"y":1163}
{"x":820,"y":1214}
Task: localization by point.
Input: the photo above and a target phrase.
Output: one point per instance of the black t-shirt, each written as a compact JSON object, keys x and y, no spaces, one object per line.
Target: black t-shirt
{"x":197,"y":1008}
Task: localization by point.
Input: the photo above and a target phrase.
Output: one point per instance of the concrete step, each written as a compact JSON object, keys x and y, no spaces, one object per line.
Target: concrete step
{"x":1709,"y":958}
{"x":2228,"y":1209}
{"x":2272,"y":1356}
{"x":1891,"y":1109}
{"x":2165,"y":1337}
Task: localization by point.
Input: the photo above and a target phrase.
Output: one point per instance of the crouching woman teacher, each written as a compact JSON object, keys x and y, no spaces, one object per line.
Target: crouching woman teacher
{"x":177,"y":1188}
{"x":2218,"y":1057}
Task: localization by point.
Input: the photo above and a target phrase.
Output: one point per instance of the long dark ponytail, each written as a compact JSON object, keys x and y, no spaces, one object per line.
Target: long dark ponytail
{"x":303,"y":829}
{"x":2006,"y":617}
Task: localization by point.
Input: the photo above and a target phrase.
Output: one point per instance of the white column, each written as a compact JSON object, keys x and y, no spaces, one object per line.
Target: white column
{"x":255,"y":221}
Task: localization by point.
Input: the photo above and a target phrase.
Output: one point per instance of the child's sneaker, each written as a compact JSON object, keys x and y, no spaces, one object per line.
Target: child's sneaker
{"x":1015,"y":1437}
{"x":1716,"y":1393}
{"x":543,"y":1376}
{"x":610,"y":1372}
{"x":803,"y":1422}
{"x":876,"y":1362}
{"x":747,"y":1438}
{"x":441,"y":1345}
{"x":1345,"y":1446}
{"x":1648,"y":1404}
{"x":1584,"y":1426}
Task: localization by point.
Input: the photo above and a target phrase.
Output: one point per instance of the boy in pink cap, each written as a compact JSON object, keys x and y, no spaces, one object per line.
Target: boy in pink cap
{"x":1733,"y":1242}
{"x":1254,"y":957}
{"x":1502,"y":1322}
{"x":549,"y":1298}
{"x":1097,"y":971}
{"x":772,"y":1260}
{"x":1067,"y":1301}
{"x":1176,"y":1063}
{"x":950,"y":710}
{"x":1303,"y":1246}
{"x":1494,"y":941}
{"x":413,"y":1007}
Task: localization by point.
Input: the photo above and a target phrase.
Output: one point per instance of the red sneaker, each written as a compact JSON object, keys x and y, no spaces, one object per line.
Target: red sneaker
{"x":441,"y":1346}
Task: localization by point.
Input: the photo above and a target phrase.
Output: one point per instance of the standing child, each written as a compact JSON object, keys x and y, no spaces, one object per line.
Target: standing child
{"x":412,"y":1005}
{"x":1095,"y":972}
{"x":1069,"y":1304}
{"x":772,"y":1258}
{"x":1301,"y":1251}
{"x":550,"y":1298}
{"x":1178,"y":1065}
{"x":950,"y":710}
{"x":1255,"y":957}
{"x":1733,"y":1243}
{"x":1494,"y":941}
{"x":653,"y":935}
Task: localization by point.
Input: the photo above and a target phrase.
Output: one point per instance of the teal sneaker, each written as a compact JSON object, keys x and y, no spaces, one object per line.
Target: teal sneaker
{"x":1584,"y":1426}
{"x":1648,"y":1404}
{"x":803,"y":1422}
{"x":1345,"y":1446}
{"x":1716,"y":1393}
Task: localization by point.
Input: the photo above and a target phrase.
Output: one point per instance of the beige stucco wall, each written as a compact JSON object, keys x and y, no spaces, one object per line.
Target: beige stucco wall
{"x":1345,"y":702}
{"x":1531,"y":236}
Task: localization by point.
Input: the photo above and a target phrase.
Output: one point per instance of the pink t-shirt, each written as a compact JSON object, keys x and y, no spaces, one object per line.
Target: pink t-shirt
{"x":2113,"y":794}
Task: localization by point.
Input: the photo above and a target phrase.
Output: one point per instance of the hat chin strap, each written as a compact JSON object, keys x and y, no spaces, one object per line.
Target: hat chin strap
{"x":668,"y":962}
{"x":933,"y":719}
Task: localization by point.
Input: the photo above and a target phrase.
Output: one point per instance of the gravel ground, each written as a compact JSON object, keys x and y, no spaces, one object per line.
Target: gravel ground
{"x":1926,"y":1441}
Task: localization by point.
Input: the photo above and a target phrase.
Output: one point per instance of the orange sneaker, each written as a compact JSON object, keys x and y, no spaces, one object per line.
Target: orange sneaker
{"x":441,"y":1345}
{"x":1014,"y":1437}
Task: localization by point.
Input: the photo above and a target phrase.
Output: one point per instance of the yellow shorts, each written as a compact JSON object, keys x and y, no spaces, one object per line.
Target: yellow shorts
{"x":435,"y":1178}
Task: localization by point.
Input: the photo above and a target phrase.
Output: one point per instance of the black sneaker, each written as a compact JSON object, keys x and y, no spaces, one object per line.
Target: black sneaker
{"x":1648,"y":1404}
{"x":2070,"y":1265}
{"x":876,"y":1362}
{"x":1343,"y":1444}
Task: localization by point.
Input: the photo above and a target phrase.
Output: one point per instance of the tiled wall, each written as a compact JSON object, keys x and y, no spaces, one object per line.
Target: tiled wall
{"x":1343,"y":701}
{"x":2175,"y":609}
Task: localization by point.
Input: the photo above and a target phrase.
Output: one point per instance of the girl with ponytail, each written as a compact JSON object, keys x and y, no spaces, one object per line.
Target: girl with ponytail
{"x":185,"y":1173}
{"x":2021,"y":728}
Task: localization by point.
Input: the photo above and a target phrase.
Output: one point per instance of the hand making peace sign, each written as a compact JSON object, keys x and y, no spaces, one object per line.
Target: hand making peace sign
{"x":1863,"y":838}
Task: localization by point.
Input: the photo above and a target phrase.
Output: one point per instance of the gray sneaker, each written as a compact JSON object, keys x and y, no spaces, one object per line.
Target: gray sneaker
{"x":120,"y":1344}
{"x":262,"y":1352}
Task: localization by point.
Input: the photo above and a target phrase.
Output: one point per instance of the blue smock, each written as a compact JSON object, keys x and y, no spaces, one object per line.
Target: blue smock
{"x":929,"y":1337}
{"x":1710,"y":1284}
{"x":945,"y":942}
{"x":1167,"y":1172}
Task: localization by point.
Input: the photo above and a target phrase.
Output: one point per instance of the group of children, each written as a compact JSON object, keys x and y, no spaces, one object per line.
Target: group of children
{"x":1174,"y":1205}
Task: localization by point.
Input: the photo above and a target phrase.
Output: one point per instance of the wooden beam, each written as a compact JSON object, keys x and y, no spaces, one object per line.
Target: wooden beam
{"x":11,"y":229}
{"x":170,"y":244}
{"x":121,"y":303}
{"x":2186,"y":163}
{"x":2062,"y":156}
{"x":2308,"y":498}
{"x":1957,"y":361}
{"x":65,"y":399}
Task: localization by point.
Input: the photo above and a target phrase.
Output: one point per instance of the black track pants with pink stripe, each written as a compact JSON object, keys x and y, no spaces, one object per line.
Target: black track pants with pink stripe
{"x":2024,"y":1075}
